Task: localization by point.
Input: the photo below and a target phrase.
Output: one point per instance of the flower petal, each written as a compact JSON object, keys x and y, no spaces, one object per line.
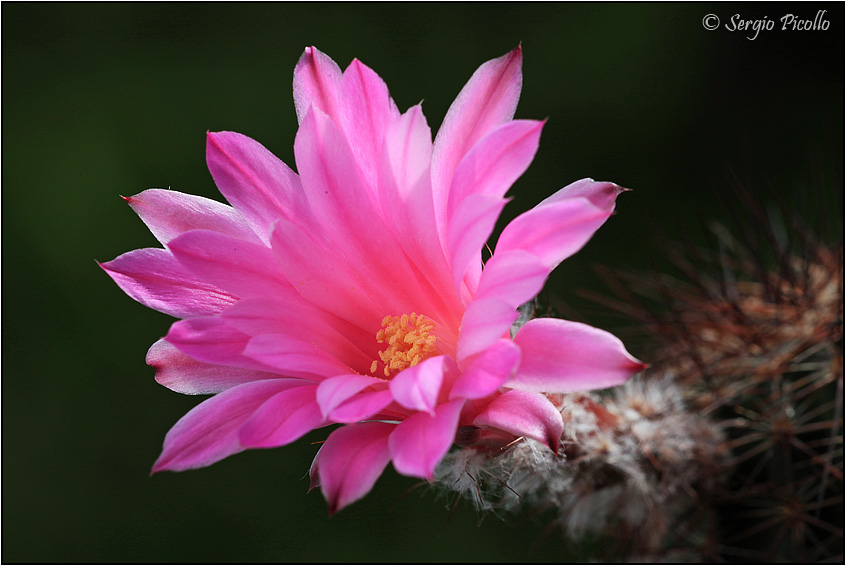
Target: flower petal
{"x":183,"y":374}
{"x":154,"y":278}
{"x":405,"y":195}
{"x":211,"y":340}
{"x":488,"y":371}
{"x":209,"y":432}
{"x":237,"y":266}
{"x":289,"y":314}
{"x":487,"y":100}
{"x":524,"y":414}
{"x":420,"y":441}
{"x":355,"y":240}
{"x":282,"y":419}
{"x":553,"y":231}
{"x":512,"y":276}
{"x":417,"y":388}
{"x":293,"y":357}
{"x":469,"y":229}
{"x":561,"y":356}
{"x":170,"y":213}
{"x":362,"y":406}
{"x":496,"y":161}
{"x":317,"y":81}
{"x":369,"y":111}
{"x":325,"y":279}
{"x":485,"y":321}
{"x":260,"y":186}
{"x":350,"y":462}
{"x":342,"y":204}
{"x":332,"y":392}
{"x":536,"y":241}
{"x":404,"y":178}
{"x":601,"y":194}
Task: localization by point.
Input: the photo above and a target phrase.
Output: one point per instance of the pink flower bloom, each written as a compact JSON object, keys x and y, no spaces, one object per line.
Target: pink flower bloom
{"x":354,"y":291}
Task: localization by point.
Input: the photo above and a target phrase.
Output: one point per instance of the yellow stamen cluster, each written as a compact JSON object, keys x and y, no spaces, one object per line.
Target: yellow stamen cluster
{"x":410,"y":340}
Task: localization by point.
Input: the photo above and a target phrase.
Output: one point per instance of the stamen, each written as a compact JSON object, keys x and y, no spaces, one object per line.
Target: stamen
{"x":410,"y":340}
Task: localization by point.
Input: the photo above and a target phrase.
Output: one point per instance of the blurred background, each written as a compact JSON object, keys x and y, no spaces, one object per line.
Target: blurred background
{"x":101,"y":100}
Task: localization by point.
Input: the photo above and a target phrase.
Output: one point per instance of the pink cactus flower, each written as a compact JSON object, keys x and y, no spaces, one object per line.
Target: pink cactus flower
{"x":354,"y":290}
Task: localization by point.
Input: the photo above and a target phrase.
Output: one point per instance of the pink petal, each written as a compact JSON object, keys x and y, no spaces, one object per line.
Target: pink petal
{"x":601,"y":194}
{"x":324,"y":279}
{"x":154,"y":278}
{"x":404,"y":175}
{"x":317,"y":81}
{"x":209,"y":432}
{"x":560,"y":356}
{"x":351,"y":232}
{"x":264,"y":315}
{"x":347,"y":216}
{"x":254,"y":181}
{"x":333,"y":183}
{"x":524,"y":414}
{"x":237,"y":266}
{"x":293,"y":357}
{"x":334,"y":391}
{"x":417,"y":388}
{"x":485,"y":321}
{"x":170,"y":213}
{"x":488,"y":371}
{"x":183,"y":374}
{"x":282,"y":419}
{"x":469,"y":229}
{"x":369,"y":112}
{"x":405,"y":195}
{"x":362,"y":406}
{"x":496,"y":161}
{"x":350,"y":462}
{"x":513,"y":276}
{"x":357,"y":102}
{"x":211,"y":340}
{"x":536,"y":241}
{"x":420,"y":441}
{"x":554,"y":231}
{"x":487,"y":100}
{"x":289,"y":314}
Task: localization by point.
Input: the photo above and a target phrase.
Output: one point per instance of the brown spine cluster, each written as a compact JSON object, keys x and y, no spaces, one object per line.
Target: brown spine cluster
{"x":730,"y":446}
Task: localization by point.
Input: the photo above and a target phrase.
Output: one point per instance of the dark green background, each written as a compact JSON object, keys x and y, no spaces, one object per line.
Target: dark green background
{"x":100,"y":100}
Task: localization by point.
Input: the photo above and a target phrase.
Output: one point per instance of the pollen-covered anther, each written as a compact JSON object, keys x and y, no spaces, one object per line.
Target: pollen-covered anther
{"x":410,"y":339}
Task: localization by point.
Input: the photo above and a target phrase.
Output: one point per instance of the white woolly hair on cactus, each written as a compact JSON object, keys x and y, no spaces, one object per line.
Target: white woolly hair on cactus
{"x":730,"y":446}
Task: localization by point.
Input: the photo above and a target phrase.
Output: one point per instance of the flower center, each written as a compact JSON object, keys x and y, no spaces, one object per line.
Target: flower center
{"x":410,"y":340}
